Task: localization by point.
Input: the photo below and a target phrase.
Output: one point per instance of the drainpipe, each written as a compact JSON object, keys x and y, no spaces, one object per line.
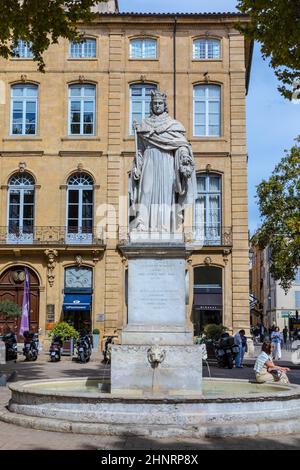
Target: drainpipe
{"x":174,"y":63}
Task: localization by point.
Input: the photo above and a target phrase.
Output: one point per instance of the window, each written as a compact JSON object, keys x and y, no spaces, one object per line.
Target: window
{"x":85,"y":49}
{"x":208,"y":209}
{"x":82,"y":102}
{"x":140,"y":99}
{"x":297,"y":279}
{"x":23,"y":50}
{"x":78,"y":278}
{"x":20,"y":208}
{"x":207,"y":49}
{"x":80,"y":208}
{"x":208,"y":297}
{"x":143,"y":49}
{"x":207,"y":110}
{"x":297,"y":299}
{"x":24,"y":103}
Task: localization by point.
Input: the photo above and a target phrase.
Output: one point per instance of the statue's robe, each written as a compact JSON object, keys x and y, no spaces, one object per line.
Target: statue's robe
{"x":159,"y":191}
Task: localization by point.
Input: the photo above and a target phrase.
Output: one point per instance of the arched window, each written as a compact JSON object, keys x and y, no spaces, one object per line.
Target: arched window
{"x":206,"y":48}
{"x":85,"y":49}
{"x":24,"y":106}
{"x":207,"y":110}
{"x":80,"y":208}
{"x":23,"y":50}
{"x":140,"y":99}
{"x":208,"y":209}
{"x":21,"y":208}
{"x":143,"y":48}
{"x":82,"y":109}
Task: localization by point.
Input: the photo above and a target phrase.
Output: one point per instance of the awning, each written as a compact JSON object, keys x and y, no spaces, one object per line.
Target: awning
{"x":77,"y":302}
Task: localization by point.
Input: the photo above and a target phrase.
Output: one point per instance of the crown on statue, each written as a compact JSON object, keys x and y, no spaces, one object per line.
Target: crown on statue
{"x":158,"y":94}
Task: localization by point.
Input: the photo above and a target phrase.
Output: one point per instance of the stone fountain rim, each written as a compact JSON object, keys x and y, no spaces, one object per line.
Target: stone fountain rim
{"x":288,"y":392}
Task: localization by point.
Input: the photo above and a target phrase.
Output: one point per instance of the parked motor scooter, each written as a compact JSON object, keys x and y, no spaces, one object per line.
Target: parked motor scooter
{"x":226,"y":351}
{"x":84,"y":349}
{"x":55,"y":349}
{"x":31,"y":345}
{"x":11,"y":348}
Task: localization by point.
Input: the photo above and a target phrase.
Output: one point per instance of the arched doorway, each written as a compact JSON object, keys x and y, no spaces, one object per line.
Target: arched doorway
{"x":12,"y":288}
{"x":208,"y":297}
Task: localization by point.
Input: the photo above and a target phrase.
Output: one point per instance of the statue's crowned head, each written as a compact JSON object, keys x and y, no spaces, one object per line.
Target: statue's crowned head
{"x":158,"y":102}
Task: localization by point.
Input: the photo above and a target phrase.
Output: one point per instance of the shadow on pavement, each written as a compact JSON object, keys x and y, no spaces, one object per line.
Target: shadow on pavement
{"x":137,"y":443}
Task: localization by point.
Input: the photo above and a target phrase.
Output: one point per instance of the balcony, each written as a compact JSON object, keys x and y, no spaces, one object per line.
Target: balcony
{"x":44,"y":236}
{"x":205,"y":236}
{"x":211,"y":235}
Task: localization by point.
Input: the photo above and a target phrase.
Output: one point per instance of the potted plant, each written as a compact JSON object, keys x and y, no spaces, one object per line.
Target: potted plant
{"x":212,"y":333}
{"x":67,"y":333}
{"x":96,"y":336}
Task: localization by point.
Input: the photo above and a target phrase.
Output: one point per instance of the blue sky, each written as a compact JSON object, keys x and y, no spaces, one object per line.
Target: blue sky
{"x":272,"y":121}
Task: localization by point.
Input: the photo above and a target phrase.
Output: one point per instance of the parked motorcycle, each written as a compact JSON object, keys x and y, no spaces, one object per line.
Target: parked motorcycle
{"x":55,"y":349}
{"x":11,"y":348}
{"x":84,"y":349}
{"x":31,"y":345}
{"x":107,"y":349}
{"x":226,"y":351}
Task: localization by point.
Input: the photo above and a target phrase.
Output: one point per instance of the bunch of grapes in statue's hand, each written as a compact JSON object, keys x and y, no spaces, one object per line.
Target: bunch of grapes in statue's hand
{"x":187,"y":165}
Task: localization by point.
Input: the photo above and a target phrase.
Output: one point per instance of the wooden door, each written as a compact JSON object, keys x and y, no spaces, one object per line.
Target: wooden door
{"x":12,"y":288}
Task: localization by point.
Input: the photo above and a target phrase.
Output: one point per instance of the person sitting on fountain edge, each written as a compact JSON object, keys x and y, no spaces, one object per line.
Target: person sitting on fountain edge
{"x":266,"y":370}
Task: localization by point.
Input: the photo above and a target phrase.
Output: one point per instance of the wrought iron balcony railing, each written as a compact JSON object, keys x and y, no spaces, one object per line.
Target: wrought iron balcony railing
{"x":198,"y":235}
{"x":50,"y":236}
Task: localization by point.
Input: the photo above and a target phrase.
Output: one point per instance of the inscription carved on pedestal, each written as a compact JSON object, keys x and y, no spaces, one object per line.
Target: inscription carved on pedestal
{"x":157,"y":291}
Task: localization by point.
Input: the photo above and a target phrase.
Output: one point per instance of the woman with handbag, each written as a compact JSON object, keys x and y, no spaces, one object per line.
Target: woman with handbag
{"x":266,"y":370}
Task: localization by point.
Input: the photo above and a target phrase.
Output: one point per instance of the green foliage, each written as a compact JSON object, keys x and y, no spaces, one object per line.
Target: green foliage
{"x":96,"y":331}
{"x":279,"y":203}
{"x":41,"y":22}
{"x":213,"y":332}
{"x":276,"y":25}
{"x":64,"y":330}
{"x":10,"y":309}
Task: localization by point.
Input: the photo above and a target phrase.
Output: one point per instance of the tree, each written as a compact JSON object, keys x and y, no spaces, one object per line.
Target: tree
{"x":279,"y":203}
{"x":41,"y":22}
{"x":9,"y":309}
{"x":276,"y":25}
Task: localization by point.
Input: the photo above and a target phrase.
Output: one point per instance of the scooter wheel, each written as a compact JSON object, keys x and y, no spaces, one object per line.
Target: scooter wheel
{"x":82,"y":359}
{"x":230,"y":363}
{"x":53,"y":359}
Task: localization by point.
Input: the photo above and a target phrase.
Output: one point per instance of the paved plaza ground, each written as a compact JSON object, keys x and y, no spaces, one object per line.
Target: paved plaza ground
{"x":14,"y":437}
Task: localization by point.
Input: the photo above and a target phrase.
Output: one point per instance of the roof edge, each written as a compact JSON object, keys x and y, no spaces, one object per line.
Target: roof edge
{"x":213,"y":14}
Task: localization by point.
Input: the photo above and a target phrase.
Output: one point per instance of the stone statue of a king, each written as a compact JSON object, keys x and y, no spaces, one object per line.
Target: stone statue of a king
{"x":163,"y":180}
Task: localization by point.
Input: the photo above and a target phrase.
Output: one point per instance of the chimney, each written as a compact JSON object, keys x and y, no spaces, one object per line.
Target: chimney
{"x":111,"y":6}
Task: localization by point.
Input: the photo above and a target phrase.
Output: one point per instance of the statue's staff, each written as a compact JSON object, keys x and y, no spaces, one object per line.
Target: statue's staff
{"x":137,"y":160}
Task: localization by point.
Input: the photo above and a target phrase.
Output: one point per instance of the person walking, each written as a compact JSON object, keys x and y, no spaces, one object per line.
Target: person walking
{"x":276,"y":338}
{"x":244,"y":347}
{"x":238,"y":342}
{"x":285,"y":332}
{"x":266,"y":370}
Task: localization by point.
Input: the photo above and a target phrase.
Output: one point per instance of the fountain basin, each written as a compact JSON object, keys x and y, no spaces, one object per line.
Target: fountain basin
{"x":227,"y":408}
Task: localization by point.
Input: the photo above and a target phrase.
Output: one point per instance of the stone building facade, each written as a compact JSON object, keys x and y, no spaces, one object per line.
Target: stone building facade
{"x":274,"y":306}
{"x":66,"y":149}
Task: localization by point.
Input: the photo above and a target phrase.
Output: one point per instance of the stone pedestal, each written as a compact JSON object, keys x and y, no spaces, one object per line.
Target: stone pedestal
{"x":157,"y":326}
